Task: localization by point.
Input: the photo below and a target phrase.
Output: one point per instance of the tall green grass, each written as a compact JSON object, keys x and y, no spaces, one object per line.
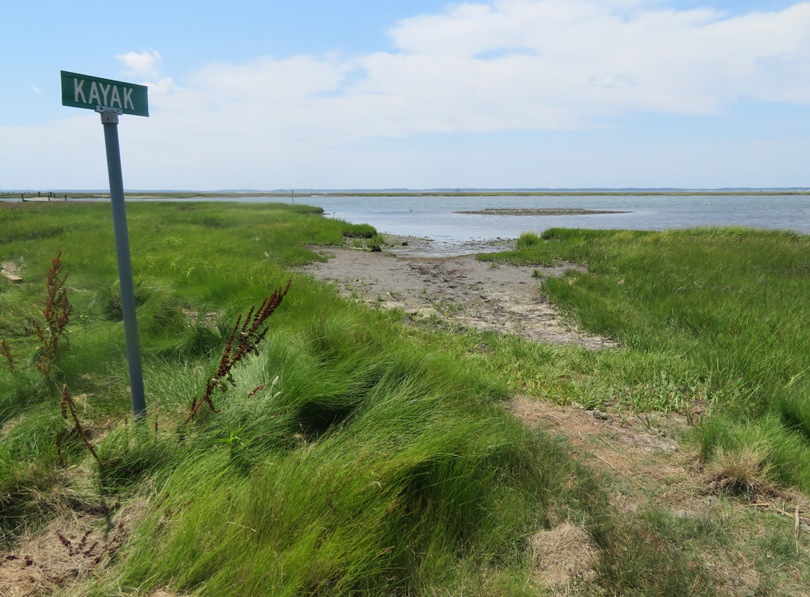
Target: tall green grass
{"x":370,"y":466}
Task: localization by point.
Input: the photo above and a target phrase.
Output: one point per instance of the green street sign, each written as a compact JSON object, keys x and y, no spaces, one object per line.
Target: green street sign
{"x":82,"y":91}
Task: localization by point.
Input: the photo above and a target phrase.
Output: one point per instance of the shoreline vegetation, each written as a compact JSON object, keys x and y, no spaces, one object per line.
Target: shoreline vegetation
{"x":56,"y":196}
{"x":351,"y":449}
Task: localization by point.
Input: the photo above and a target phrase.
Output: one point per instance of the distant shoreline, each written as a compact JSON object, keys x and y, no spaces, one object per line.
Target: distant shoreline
{"x":61,"y":196}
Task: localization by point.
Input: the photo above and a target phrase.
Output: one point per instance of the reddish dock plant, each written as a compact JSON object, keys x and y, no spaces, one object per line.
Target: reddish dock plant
{"x":68,"y":406}
{"x":5,"y":350}
{"x":56,"y":313}
{"x":244,"y":339}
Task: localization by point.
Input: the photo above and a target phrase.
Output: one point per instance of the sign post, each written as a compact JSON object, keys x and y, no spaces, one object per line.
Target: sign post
{"x":111,"y":99}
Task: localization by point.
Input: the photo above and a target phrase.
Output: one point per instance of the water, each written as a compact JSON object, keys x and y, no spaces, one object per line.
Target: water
{"x":437,"y":218}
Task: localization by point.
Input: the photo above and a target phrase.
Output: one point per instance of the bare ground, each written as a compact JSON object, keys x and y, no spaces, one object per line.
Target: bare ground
{"x":70,"y":549}
{"x":456,"y":290}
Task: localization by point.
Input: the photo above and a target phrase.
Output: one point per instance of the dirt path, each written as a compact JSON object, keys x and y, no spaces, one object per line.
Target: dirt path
{"x":642,"y":453}
{"x":458,"y":290}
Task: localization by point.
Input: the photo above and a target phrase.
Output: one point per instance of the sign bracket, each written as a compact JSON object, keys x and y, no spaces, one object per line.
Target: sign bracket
{"x":109,"y":115}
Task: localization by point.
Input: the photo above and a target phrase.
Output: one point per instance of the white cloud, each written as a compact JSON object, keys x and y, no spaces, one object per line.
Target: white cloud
{"x":144,"y":65}
{"x":477,"y":67}
{"x":162,"y":86}
{"x":514,"y":64}
{"x":141,"y":64}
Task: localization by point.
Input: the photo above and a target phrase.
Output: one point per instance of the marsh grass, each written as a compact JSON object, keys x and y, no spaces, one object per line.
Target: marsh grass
{"x":654,"y":553}
{"x":716,"y":317}
{"x":373,"y":243}
{"x":352,"y":454}
{"x":368,"y":464}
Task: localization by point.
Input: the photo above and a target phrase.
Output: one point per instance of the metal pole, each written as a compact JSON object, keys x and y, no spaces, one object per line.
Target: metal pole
{"x":109,"y":118}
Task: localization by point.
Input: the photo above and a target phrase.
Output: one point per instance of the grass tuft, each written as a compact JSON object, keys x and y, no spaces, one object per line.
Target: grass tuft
{"x":740,"y":473}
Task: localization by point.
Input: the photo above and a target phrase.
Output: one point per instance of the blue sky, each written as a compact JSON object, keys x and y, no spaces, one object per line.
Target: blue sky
{"x":418,"y":93}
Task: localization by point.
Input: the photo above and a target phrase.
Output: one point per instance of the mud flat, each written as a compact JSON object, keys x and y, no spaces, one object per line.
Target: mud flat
{"x":574,"y":211}
{"x":454,"y":290}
